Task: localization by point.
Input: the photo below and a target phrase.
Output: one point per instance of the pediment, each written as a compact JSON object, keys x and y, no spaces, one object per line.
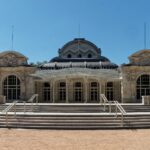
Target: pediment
{"x":14,"y":53}
{"x":141,"y":57}
{"x":12,"y":58}
{"x":141,"y":53}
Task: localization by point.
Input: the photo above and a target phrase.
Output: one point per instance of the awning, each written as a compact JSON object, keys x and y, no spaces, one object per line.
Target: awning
{"x":104,"y":74}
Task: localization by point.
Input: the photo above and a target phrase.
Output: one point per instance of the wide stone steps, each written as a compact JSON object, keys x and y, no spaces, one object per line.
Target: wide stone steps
{"x":75,"y":117}
{"x":61,"y":122}
{"x":74,"y":121}
{"x":136,"y":108}
{"x":76,"y":108}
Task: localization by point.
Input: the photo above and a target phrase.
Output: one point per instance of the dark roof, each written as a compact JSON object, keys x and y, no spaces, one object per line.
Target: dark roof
{"x":58,"y":59}
{"x":83,"y":40}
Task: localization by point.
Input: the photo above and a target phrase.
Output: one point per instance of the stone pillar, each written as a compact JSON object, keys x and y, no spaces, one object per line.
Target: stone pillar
{"x":1,"y":84}
{"x":117,"y":90}
{"x":39,"y":90}
{"x":102,"y":87}
{"x":71,"y":90}
{"x":86,"y":90}
{"x":67,"y":91}
{"x":100,"y":90}
{"x":53,"y":86}
{"x":128,"y":91}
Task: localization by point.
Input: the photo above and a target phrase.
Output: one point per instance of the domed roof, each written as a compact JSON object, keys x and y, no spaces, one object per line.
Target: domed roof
{"x":80,"y":50}
{"x":2,"y":54}
{"x":78,"y":41}
{"x":80,"y":53}
{"x":12,"y":58}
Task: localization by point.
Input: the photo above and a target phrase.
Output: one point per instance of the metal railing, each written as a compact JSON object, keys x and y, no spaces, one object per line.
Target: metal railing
{"x":33,"y":100}
{"x":121,"y":110}
{"x":8,"y":108}
{"x":117,"y":105}
{"x":105,"y":101}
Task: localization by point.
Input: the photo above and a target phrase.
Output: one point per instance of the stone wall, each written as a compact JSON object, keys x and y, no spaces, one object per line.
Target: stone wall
{"x":23,"y":74}
{"x":130,"y":75}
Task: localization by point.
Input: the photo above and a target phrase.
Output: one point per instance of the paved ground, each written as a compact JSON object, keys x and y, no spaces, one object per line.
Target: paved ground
{"x":20,"y":139}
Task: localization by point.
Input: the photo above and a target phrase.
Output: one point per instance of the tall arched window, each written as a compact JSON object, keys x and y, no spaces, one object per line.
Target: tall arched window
{"x":94,"y":92}
{"x":46,"y":92}
{"x":78,"y":92}
{"x":143,"y":86}
{"x":89,"y":55}
{"x":69,"y":56}
{"x":62,"y":92}
{"x":109,"y":91}
{"x":11,"y":87}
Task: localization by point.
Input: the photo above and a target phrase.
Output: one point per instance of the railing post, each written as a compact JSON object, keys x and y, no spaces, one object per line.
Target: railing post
{"x":116,"y":110}
{"x":6,"y":119}
{"x":24,"y":106}
{"x":109,"y":108}
{"x":122,"y":120}
{"x":104,"y":106}
{"x":37,"y":99}
{"x":32,"y":106}
{"x":15,"y":108}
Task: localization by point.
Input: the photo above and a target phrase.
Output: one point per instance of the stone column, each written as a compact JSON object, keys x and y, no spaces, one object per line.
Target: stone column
{"x":67,"y":91}
{"x":117,"y":90}
{"x":50,"y":88}
{"x":86,"y":90}
{"x":100,"y":90}
{"x":53,"y":86}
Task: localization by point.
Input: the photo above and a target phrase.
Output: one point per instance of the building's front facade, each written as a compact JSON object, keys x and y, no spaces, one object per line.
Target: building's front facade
{"x":78,"y":75}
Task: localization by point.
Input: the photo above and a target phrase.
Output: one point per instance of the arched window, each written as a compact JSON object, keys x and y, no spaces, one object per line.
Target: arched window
{"x":11,"y":87}
{"x":109,"y":91}
{"x":46,"y":92}
{"x":142,"y":86}
{"x":62,"y":92}
{"x":89,"y":55}
{"x":69,"y":56}
{"x":94,"y":92}
{"x":78,"y":92}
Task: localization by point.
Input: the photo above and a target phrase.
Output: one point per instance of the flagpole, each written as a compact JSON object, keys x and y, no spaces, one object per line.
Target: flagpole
{"x":12,"y":37}
{"x":145,"y":35}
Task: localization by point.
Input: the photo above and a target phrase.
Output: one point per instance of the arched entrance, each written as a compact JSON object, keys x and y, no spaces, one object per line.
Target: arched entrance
{"x":46,"y":92}
{"x":11,"y":88}
{"x":109,"y":91}
{"x":142,"y":86}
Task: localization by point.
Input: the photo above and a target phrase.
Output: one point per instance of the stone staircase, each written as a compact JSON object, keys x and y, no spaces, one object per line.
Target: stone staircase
{"x":75,"y":116}
{"x":63,"y":121}
{"x":136,"y":108}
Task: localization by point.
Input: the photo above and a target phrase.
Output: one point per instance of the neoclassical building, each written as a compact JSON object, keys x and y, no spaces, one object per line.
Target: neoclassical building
{"x":78,"y":75}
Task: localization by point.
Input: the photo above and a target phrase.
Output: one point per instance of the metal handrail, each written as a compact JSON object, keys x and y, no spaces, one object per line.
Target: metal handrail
{"x":33,"y":98}
{"x":7,"y":109}
{"x":104,"y":100}
{"x":118,"y":106}
{"x":122,"y":111}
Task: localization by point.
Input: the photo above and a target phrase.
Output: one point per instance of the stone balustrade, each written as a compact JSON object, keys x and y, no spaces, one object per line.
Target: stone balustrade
{"x":2,"y":99}
{"x":146,"y":100}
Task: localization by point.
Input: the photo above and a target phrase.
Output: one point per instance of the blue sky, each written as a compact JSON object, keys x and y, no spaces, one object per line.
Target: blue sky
{"x":41,"y":27}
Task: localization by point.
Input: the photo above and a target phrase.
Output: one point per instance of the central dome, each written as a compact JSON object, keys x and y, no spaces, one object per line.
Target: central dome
{"x":79,"y":53}
{"x":79,"y":50}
